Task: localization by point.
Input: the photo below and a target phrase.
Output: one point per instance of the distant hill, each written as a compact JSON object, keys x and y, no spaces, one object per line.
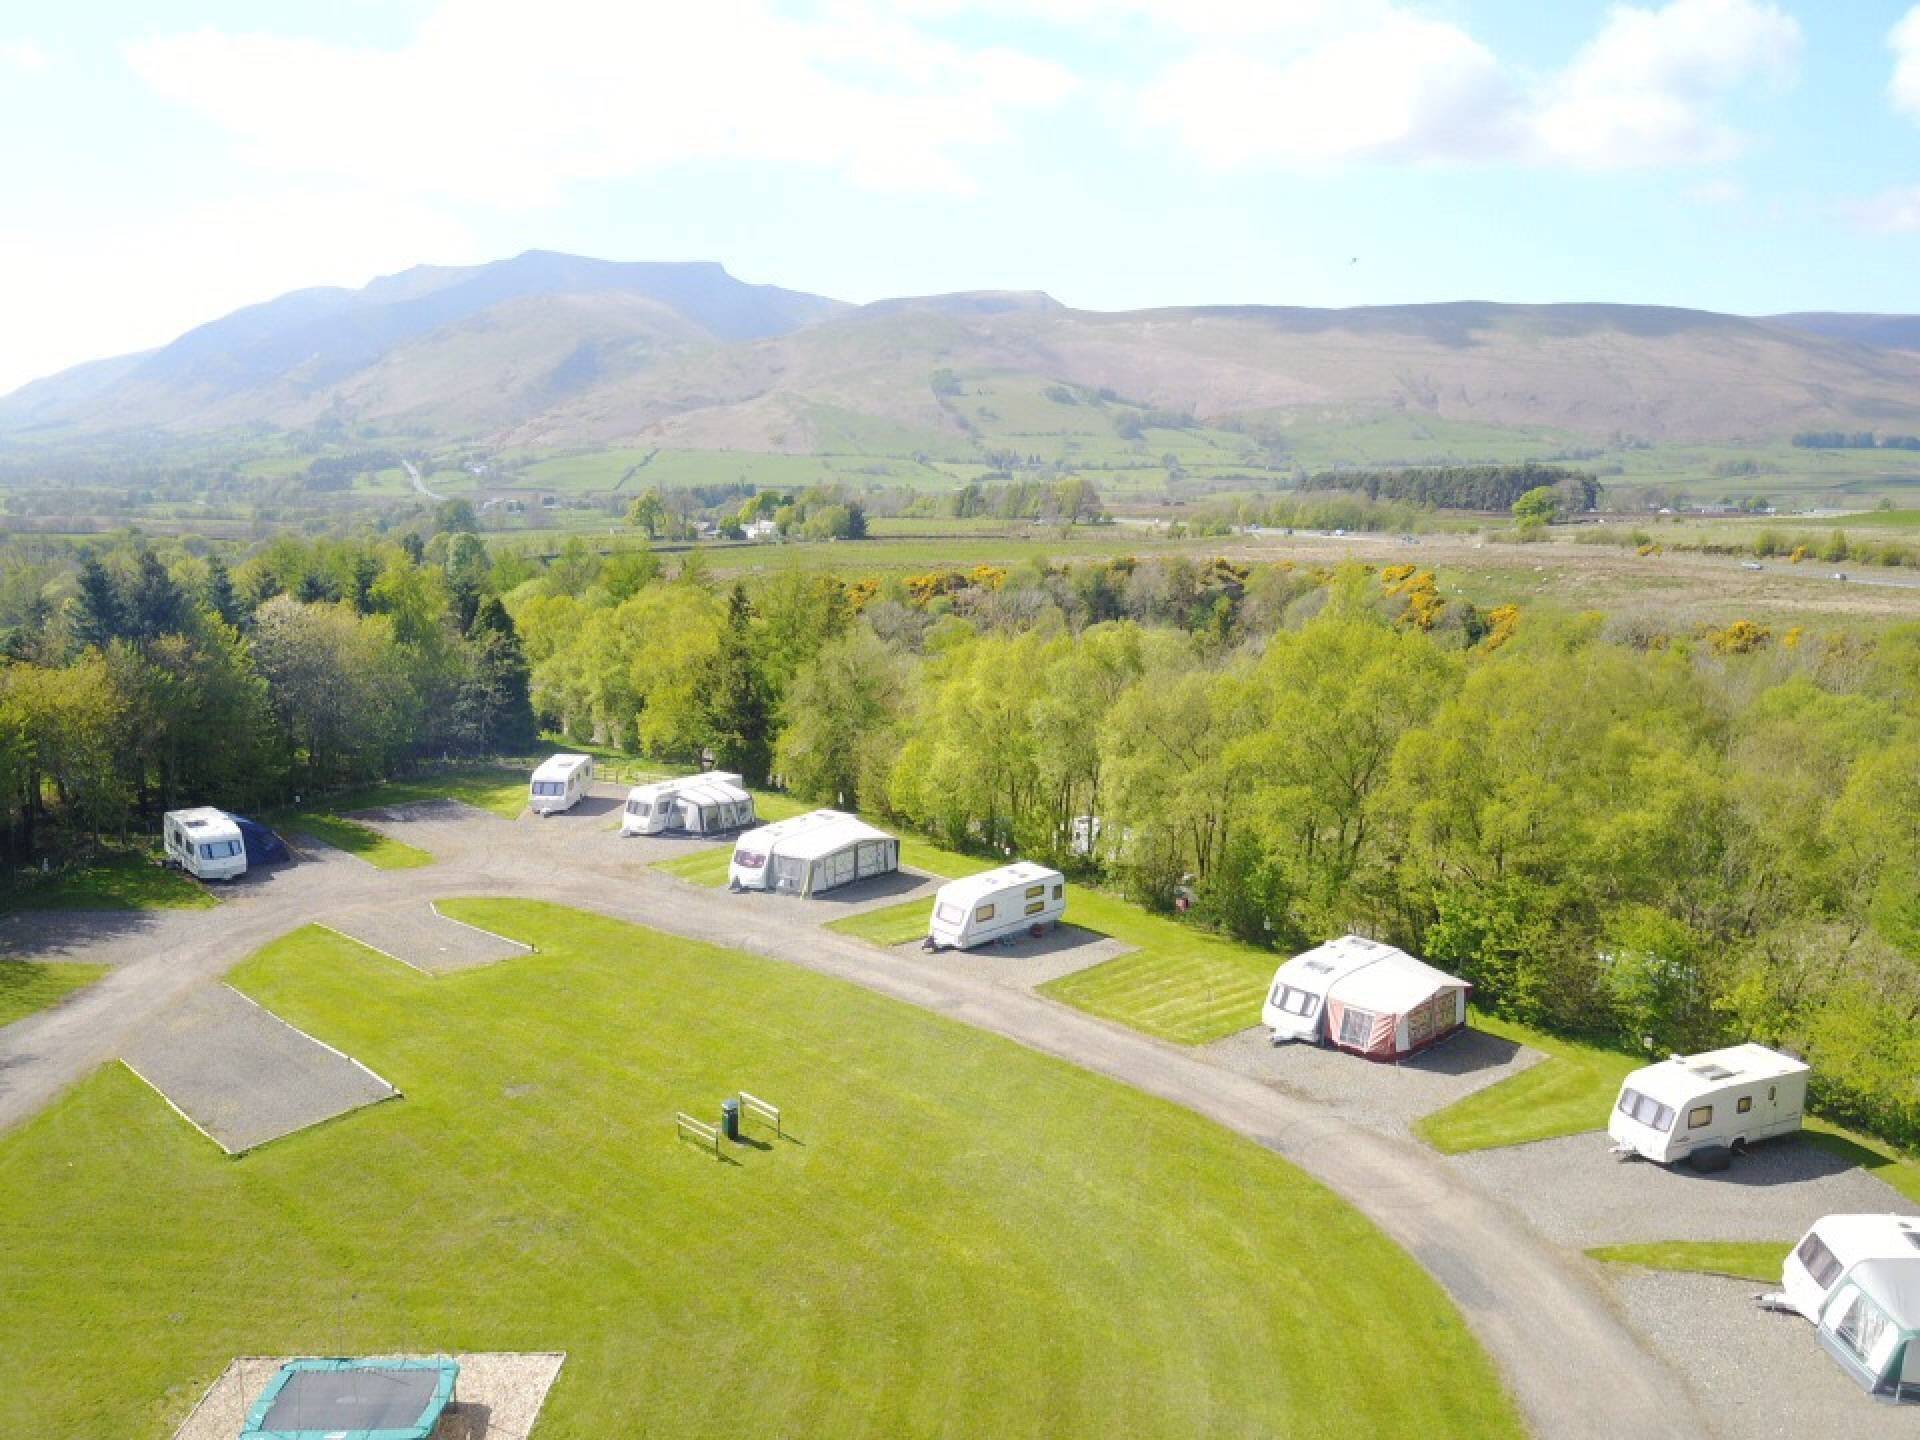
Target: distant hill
{"x":1885,"y":332}
{"x":553,"y":351}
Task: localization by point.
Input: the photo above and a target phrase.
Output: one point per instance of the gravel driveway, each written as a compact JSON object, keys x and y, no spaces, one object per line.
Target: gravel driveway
{"x":1762,"y":1376}
{"x":1027,"y":962}
{"x":1387,"y":1098}
{"x":1575,"y":1192}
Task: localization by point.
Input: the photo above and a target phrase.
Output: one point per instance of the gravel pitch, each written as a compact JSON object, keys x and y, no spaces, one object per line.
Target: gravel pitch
{"x":1762,"y":1376}
{"x":497,"y":1397}
{"x":243,"y":1075}
{"x":1027,"y":962}
{"x":418,"y":935}
{"x":440,"y":827}
{"x":1575,"y":1191}
{"x":1388,"y":1098}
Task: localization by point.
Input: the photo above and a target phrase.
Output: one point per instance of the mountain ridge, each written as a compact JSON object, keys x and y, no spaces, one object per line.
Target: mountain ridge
{"x":552,"y":350}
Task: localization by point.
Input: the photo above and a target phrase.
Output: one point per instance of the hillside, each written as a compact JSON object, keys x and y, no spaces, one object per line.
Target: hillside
{"x":550,"y":351}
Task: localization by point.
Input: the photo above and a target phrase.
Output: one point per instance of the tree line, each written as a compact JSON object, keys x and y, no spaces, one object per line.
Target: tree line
{"x":1650,"y":836}
{"x":134,"y":682}
{"x":1465,"y":487}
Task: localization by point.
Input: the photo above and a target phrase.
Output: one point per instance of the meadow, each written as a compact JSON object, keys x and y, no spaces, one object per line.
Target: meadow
{"x":960,"y":1237}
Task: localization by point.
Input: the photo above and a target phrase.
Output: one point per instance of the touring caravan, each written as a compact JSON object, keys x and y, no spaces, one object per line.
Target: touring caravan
{"x":709,"y":804}
{"x":1013,"y":900}
{"x":205,"y":843}
{"x":1366,"y":997}
{"x":811,"y":854}
{"x":560,"y":783}
{"x":1857,"y":1278}
{"x":1705,"y":1108}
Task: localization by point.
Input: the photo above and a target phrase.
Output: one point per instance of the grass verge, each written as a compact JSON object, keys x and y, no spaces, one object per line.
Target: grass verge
{"x":1758,"y":1260}
{"x":30,"y":985}
{"x":1876,"y":1157}
{"x":896,"y":1268}
{"x":356,"y":839}
{"x":117,"y":882}
{"x":1568,"y":1093}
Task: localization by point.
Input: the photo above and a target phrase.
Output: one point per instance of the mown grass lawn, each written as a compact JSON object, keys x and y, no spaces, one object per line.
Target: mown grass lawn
{"x":354,"y":838}
{"x":116,"y":882}
{"x":496,"y":788}
{"x":30,"y":985}
{"x":963,"y":1237}
{"x":1742,"y":1259}
{"x":1181,"y":983}
{"x":1876,"y":1157}
{"x":1570,"y":1092}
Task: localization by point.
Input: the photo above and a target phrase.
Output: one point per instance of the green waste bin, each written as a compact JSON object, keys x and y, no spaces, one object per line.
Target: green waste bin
{"x":730,"y":1119}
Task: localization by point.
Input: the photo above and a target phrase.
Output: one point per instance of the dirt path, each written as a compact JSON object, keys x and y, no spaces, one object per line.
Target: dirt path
{"x":1574,"y":1365}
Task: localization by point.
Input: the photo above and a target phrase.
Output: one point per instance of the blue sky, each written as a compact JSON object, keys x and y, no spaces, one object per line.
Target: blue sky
{"x":164,"y":164}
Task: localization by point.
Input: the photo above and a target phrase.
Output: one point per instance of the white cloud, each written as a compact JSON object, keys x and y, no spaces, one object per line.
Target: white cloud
{"x":23,"y":55}
{"x":1647,"y":90}
{"x":89,"y":296}
{"x":1891,"y":212}
{"x":1721,"y":191}
{"x":1407,"y":87}
{"x":1905,"y":42}
{"x":488,"y":105}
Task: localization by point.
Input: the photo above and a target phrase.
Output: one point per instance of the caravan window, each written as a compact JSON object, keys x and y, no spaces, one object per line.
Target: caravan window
{"x":1744,"y":1104}
{"x":748,"y":859}
{"x":951,"y":914}
{"x":1865,"y":1330}
{"x":1818,"y":1261}
{"x":1699,"y":1115}
{"x":549,"y":787}
{"x":219,"y":849}
{"x":1295,"y":1002}
{"x":636,"y":807}
{"x":1036,"y":892}
{"x":984,"y":913}
{"x":1057,"y":890}
{"x":1646,"y":1110}
{"x":1036,"y":906}
{"x":1356,"y":1027}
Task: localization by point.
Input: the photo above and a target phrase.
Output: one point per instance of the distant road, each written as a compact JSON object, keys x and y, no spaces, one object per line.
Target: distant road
{"x":413,"y":474}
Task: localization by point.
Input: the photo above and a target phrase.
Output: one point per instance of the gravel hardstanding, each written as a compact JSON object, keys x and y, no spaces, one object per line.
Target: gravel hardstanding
{"x":1388,"y":1098}
{"x":1760,"y":1374}
{"x":418,"y":935}
{"x":1575,"y":1191}
{"x":244,"y":1076}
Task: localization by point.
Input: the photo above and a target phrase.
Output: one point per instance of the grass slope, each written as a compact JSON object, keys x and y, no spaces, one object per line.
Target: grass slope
{"x":1571,"y":1091}
{"x":1741,"y":1259}
{"x":30,"y":985}
{"x":963,"y":1238}
{"x":118,"y":882}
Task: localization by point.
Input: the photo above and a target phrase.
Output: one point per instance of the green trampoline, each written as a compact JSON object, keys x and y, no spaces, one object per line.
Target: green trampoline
{"x":354,"y":1400}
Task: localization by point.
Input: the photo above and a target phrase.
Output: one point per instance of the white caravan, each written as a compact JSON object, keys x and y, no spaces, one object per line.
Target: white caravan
{"x":707,"y":804}
{"x":1013,"y":900}
{"x":560,"y":783}
{"x":1706,"y":1107}
{"x":811,"y":853}
{"x":1296,"y":1007}
{"x":1857,"y":1278}
{"x":205,"y":843}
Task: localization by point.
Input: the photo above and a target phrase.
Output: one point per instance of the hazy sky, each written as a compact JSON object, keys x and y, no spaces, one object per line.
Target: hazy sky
{"x":165,"y":163}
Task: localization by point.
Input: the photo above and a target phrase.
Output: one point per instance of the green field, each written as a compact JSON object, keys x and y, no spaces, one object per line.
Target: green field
{"x":1570,"y":1092}
{"x":962,"y":1237}
{"x":1758,"y":1260}
{"x":497,"y":788}
{"x":30,"y":985}
{"x":117,"y":882}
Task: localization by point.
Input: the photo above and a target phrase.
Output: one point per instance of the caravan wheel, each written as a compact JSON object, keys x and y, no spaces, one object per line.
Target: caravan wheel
{"x":1711,"y":1159}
